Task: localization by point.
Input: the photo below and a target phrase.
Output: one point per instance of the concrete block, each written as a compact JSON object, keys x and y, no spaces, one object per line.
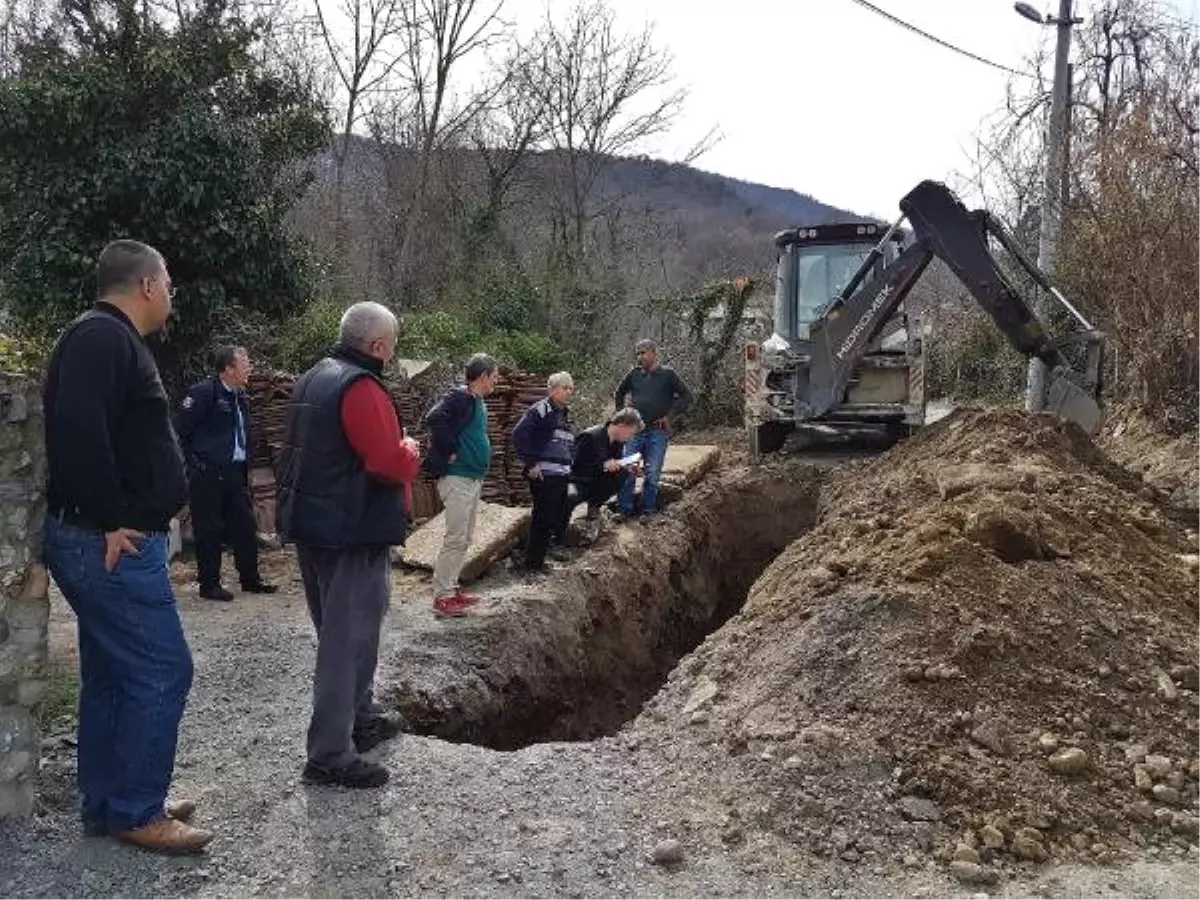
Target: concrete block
{"x":498,"y":529}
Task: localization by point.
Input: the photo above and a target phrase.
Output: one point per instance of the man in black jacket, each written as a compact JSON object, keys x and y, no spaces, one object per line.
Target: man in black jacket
{"x":213,"y":425}
{"x":596,"y":470}
{"x":116,"y":478}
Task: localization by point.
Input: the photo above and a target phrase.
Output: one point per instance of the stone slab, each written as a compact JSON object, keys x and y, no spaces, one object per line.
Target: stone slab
{"x":498,"y":529}
{"x":686,"y":464}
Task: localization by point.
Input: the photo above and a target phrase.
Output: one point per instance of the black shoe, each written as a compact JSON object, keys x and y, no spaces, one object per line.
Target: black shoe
{"x":216,"y":593}
{"x":259,"y":587}
{"x":358,"y":774}
{"x":375,"y":731}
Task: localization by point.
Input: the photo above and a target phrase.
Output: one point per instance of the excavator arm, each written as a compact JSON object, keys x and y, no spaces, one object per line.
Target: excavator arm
{"x":944,"y":228}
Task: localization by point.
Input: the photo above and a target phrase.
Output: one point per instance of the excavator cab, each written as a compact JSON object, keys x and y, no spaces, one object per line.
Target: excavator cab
{"x":814,"y":265}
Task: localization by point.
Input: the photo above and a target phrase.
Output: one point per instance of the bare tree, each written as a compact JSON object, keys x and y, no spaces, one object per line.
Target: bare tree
{"x":510,"y":127}
{"x":606,"y":94}
{"x":1130,"y":223}
{"x":363,"y":63}
{"x":437,"y":34}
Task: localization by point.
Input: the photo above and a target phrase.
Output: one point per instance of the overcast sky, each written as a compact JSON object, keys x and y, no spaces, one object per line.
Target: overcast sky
{"x":828,"y":98}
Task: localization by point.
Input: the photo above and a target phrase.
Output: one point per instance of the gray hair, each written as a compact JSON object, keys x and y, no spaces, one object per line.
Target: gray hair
{"x":560,"y":379}
{"x":627,"y":416}
{"x":123,"y":264}
{"x":365,"y":322}
{"x":479,"y":365}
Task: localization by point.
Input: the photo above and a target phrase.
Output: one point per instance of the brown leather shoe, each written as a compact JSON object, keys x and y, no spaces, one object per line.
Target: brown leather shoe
{"x":181,"y":810}
{"x":167,"y":836}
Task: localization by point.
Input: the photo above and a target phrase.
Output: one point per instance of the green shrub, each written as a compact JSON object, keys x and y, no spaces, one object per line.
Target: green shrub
{"x":310,"y":336}
{"x":440,"y":335}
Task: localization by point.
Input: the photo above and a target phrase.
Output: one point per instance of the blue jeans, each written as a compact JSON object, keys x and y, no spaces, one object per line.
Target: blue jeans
{"x":653,"y":444}
{"x":135,"y":673}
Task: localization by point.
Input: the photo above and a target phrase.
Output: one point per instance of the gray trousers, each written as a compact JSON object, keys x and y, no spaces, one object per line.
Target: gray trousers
{"x":347,"y":593}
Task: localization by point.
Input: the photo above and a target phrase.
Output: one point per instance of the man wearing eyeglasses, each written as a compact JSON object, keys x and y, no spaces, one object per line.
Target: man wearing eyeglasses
{"x":213,"y":425}
{"x":116,"y":478}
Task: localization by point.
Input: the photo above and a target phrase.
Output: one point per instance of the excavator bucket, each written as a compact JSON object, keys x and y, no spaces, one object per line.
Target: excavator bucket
{"x":1068,"y":401}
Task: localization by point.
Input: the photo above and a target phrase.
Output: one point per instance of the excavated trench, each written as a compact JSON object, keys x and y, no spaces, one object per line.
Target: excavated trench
{"x":573,"y":656}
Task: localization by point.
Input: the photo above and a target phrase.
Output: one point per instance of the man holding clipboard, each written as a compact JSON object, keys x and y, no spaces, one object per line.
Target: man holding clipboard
{"x":602,"y":463}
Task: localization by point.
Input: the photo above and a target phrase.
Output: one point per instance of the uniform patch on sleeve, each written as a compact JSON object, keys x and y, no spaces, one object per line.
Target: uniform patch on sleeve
{"x":189,"y":401}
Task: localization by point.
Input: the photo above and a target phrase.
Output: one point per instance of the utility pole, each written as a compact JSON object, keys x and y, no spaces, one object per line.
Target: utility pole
{"x":1051,"y":213}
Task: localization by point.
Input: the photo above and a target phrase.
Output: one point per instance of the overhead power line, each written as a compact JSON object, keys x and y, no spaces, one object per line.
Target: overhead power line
{"x":937,"y":40}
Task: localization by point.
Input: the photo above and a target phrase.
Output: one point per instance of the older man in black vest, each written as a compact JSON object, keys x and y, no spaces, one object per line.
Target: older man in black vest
{"x":343,"y":470}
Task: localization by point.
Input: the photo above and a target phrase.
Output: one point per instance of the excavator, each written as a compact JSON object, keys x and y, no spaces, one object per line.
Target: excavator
{"x":843,"y":352}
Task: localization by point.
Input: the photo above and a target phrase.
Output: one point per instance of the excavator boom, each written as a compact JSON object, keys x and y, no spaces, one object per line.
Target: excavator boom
{"x":944,"y":228}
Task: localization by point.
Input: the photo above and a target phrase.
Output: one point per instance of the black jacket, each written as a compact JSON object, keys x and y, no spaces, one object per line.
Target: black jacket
{"x":205,"y":424}
{"x":113,"y":458}
{"x":326,"y":498}
{"x":592,"y":450}
{"x":446,"y":421}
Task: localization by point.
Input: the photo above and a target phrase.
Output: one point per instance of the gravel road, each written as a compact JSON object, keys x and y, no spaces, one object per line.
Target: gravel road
{"x":569,"y":820}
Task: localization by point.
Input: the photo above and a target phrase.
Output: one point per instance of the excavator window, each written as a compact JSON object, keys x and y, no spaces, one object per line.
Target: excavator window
{"x":823,"y":270}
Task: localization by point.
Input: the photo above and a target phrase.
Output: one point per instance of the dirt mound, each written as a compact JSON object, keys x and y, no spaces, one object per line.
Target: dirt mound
{"x":1168,"y":462}
{"x":986,"y":647}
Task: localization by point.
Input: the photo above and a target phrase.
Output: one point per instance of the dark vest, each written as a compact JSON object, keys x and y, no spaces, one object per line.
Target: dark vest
{"x":326,"y":499}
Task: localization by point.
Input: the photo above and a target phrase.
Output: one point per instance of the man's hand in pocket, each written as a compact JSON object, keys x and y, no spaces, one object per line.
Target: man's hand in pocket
{"x":117,"y":543}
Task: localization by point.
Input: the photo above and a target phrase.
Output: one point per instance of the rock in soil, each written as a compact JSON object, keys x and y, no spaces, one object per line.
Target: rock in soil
{"x":667,"y":853}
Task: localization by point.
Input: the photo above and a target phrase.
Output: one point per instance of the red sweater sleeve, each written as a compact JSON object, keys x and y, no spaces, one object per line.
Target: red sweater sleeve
{"x":373,"y":430}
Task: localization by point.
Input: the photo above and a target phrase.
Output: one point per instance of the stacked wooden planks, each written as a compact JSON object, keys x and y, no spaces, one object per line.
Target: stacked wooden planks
{"x":515,"y":392}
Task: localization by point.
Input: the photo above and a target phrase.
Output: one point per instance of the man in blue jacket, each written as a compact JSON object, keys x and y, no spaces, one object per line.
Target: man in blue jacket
{"x":459,"y":455}
{"x":213,"y":425}
{"x":545,"y":445}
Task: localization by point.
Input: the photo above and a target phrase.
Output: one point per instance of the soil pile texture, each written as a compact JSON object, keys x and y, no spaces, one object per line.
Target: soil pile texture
{"x":1168,"y":462}
{"x":985,"y":649}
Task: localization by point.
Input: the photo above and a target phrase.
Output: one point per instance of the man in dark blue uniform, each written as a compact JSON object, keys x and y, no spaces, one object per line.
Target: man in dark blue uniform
{"x":213,"y":426}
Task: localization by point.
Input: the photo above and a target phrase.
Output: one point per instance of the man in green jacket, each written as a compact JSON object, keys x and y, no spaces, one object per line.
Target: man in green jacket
{"x":459,"y":457}
{"x":660,"y":395}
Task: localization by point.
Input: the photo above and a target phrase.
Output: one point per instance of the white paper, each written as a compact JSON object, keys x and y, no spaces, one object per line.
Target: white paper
{"x":632,"y":459}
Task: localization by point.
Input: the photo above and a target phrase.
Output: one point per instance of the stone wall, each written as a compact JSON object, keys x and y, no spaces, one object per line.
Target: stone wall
{"x":24,"y":604}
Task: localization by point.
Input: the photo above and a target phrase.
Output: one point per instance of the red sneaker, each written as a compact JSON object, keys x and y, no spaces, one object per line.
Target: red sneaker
{"x":445,"y":607}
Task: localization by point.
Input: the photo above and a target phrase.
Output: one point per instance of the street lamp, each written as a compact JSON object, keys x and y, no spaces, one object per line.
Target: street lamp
{"x":1051,"y":213}
{"x":1030,"y":13}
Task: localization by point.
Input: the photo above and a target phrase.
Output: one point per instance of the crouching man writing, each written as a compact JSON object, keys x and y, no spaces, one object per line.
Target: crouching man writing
{"x":597,"y":473}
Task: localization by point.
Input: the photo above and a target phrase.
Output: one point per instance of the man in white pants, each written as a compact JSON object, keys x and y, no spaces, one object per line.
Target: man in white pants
{"x":459,"y":455}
